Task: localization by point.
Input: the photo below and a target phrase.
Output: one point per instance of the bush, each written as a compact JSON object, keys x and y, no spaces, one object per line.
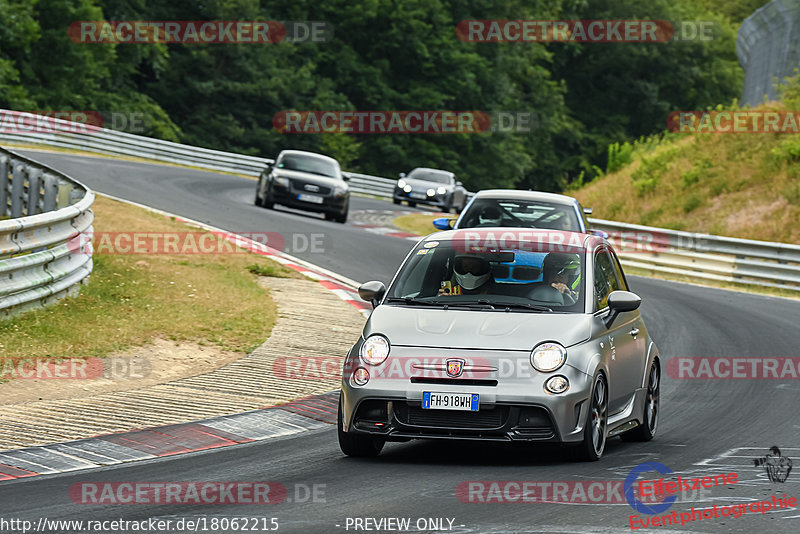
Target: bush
{"x":619,"y":156}
{"x":691,"y":203}
{"x":645,"y":178}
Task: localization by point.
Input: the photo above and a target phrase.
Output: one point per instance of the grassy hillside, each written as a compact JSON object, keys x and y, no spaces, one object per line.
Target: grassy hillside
{"x":742,"y":185}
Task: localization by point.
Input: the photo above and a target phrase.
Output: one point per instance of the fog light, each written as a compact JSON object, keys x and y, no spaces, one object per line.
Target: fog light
{"x":557,"y":384}
{"x":361,"y":376}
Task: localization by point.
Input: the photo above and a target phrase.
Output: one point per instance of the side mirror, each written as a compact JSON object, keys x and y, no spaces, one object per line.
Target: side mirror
{"x":619,"y":302}
{"x":345,"y":177}
{"x":372,"y":292}
{"x":443,"y":223}
{"x":459,"y":184}
{"x":587,"y":211}
{"x":402,"y":175}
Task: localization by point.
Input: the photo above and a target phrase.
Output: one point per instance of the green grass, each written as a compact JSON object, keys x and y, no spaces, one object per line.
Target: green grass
{"x":417,"y":223}
{"x":740,"y":185}
{"x":272,"y":269}
{"x":132,"y":299}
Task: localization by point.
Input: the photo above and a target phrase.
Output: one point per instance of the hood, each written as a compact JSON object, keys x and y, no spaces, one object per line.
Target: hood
{"x":469,"y":329}
{"x":424,"y":184}
{"x":310,"y":177}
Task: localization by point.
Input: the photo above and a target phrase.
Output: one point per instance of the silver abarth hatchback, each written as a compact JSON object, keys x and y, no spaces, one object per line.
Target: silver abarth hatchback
{"x":459,"y":347}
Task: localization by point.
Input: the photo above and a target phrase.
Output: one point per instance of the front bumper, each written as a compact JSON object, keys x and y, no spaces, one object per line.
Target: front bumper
{"x":330,"y":202}
{"x":441,"y":201}
{"x":514,"y":406}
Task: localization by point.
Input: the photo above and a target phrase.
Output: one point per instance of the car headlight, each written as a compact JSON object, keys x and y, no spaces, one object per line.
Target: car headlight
{"x":401,"y":184}
{"x":375,"y":350}
{"x":555,"y":384}
{"x":281,"y":181}
{"x":548,"y":357}
{"x":339,"y":191}
{"x":431,"y":192}
{"x":407,"y":188}
{"x":361,"y":376}
{"x":442,"y":190}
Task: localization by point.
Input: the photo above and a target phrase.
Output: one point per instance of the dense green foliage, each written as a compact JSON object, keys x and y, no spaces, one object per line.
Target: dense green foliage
{"x":385,"y":55}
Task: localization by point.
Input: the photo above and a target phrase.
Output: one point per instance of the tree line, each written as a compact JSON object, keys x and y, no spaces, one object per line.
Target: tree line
{"x":382,"y":55}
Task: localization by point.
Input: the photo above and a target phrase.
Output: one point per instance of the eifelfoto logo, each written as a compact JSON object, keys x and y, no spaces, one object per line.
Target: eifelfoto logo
{"x":777,"y":466}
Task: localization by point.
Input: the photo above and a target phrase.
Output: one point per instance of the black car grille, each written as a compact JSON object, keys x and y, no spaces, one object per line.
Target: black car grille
{"x":482,"y":419}
{"x":300,"y":187}
{"x":453,"y":381}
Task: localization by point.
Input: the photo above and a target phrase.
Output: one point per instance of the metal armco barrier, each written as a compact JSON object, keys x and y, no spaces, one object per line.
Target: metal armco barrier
{"x":42,"y":213}
{"x":704,"y":256}
{"x":28,"y":128}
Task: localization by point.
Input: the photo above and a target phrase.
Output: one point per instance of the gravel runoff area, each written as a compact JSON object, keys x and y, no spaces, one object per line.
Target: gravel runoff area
{"x":313,"y":322}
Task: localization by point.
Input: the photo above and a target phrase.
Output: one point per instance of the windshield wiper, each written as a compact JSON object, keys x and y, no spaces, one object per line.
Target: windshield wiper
{"x":414,"y":300}
{"x":518,"y":305}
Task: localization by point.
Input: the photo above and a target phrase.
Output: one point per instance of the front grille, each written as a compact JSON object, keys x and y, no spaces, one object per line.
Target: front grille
{"x":482,"y":419}
{"x":300,"y":187}
{"x":453,"y":381}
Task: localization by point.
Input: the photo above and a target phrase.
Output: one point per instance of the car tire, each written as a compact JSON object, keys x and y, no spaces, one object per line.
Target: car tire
{"x":649,"y":424}
{"x":595,"y":428}
{"x":355,"y":445}
{"x":267,"y":202}
{"x":342,"y":217}
{"x":412,"y":204}
{"x":258,"y":202}
{"x":396,"y":200}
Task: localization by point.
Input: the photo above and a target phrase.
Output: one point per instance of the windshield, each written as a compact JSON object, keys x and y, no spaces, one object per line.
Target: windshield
{"x":484,"y":212}
{"x":456,"y":273}
{"x":310,"y":164}
{"x":431,"y":176}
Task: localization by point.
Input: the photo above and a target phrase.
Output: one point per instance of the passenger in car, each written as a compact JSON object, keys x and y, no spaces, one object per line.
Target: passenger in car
{"x":561,"y":280}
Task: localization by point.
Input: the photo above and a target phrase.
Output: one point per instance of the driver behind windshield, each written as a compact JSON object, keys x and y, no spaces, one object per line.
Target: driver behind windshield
{"x":472,"y":275}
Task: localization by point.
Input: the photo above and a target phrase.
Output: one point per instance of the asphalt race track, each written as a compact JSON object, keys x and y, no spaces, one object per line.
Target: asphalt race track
{"x":706,"y":426}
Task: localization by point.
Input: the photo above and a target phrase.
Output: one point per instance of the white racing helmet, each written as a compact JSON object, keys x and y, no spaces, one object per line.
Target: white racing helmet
{"x":471,"y":270}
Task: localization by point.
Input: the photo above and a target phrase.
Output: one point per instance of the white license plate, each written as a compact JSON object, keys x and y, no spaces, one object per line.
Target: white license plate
{"x":421,"y":196}
{"x":309,"y":198}
{"x":467,"y":402}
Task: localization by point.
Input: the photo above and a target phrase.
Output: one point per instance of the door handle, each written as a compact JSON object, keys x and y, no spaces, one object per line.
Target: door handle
{"x":634,"y":332}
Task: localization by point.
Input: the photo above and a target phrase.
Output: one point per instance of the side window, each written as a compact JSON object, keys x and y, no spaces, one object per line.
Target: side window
{"x":623,"y":284}
{"x":605,"y":281}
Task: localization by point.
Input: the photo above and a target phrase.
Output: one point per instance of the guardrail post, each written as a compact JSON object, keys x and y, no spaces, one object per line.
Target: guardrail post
{"x":50,"y":192}
{"x":34,"y":188}
{"x":17,"y":189}
{"x":5,"y":185}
